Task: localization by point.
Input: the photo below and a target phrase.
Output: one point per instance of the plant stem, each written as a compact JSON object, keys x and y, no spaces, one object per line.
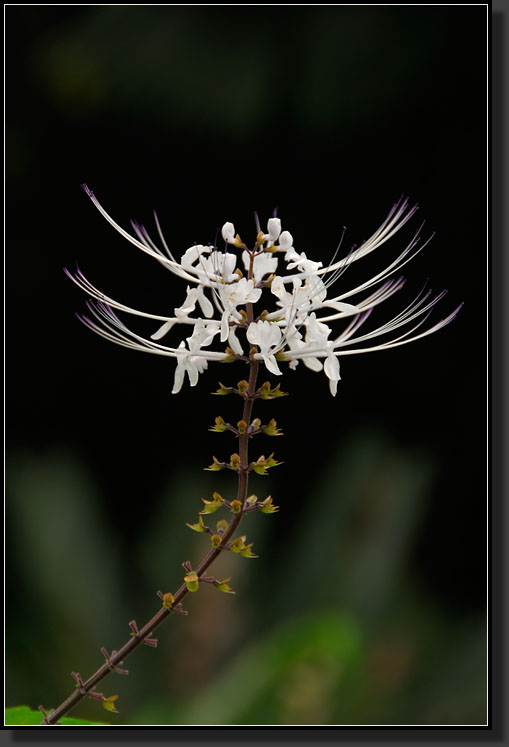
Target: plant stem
{"x":118,"y":657}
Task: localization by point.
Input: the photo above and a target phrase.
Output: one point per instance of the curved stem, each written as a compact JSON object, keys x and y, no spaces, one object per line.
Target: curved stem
{"x":119,"y":656}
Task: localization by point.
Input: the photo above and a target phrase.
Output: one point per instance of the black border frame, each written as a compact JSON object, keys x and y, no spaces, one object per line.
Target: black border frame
{"x":497,"y":729}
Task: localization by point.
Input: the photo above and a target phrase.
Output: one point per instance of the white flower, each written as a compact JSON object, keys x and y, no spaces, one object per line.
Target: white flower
{"x":193,"y":364}
{"x":267,"y":336}
{"x":237,"y":294}
{"x":264,"y":264}
{"x":284,"y":313}
{"x":217,"y":266}
{"x":304,"y":264}
{"x":182,"y":312}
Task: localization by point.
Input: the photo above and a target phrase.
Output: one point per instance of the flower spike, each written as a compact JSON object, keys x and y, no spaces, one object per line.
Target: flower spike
{"x":294,"y":326}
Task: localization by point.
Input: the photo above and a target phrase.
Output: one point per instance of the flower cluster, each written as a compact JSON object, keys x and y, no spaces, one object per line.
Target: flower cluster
{"x":290,"y":291}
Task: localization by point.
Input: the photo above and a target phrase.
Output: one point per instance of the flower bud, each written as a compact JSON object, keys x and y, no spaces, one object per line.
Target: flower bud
{"x":220,"y":426}
{"x":273,"y":228}
{"x":235,"y":461}
{"x":168,"y":600}
{"x":285,"y":241}
{"x":222,"y":526}
{"x":236,"y":506}
{"x":260,"y":238}
{"x":231,"y":356}
{"x":229,"y":235}
{"x":215,"y":540}
{"x":228,"y":232}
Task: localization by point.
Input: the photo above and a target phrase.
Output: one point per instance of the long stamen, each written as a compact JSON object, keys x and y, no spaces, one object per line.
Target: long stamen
{"x":298,"y":307}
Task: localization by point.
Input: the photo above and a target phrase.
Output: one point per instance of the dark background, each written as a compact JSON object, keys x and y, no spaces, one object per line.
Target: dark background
{"x":206,"y":114}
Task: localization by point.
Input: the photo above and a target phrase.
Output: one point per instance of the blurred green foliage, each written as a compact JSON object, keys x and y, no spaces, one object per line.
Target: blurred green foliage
{"x":331,"y":627}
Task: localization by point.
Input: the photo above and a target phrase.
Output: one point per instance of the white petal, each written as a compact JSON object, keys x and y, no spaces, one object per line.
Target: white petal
{"x":313,"y":363}
{"x":179,"y":377}
{"x":331,"y":368}
{"x":193,"y":374}
{"x":246,"y":260}
{"x":264,"y":264}
{"x":339,"y":306}
{"x":234,"y":343}
{"x":162,"y":331}
{"x":228,"y":267}
{"x":278,"y":289}
{"x":252,"y":333}
{"x":291,"y":255}
{"x":205,"y":305}
{"x":274,"y":334}
{"x":271,"y":364}
{"x":192,"y":254}
{"x":224,"y":326}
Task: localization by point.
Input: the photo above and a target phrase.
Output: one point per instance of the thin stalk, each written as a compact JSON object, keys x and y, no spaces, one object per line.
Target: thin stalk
{"x":119,"y":656}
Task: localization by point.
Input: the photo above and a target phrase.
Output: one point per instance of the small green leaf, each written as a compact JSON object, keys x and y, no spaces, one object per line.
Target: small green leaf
{"x":223,"y":390}
{"x":267,"y":507}
{"x":24,"y":716}
{"x":109,"y":703}
{"x":241,"y":548}
{"x":220,"y":426}
{"x":224,"y":586}
{"x":211,"y":506}
{"x":199,"y":527}
{"x":271,"y":429}
{"x":216,"y":465}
